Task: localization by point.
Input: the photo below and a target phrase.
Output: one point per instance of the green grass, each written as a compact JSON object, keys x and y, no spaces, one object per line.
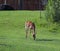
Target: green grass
{"x":12,"y":33}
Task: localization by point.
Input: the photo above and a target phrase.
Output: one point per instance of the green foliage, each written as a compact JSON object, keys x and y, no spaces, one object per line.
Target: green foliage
{"x":49,"y":11}
{"x":53,"y":11}
{"x":57,"y":10}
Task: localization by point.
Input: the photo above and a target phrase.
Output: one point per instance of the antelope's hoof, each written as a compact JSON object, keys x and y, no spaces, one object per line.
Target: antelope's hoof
{"x":34,"y":37}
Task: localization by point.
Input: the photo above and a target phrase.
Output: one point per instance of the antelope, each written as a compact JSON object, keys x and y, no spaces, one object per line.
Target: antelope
{"x":30,"y":26}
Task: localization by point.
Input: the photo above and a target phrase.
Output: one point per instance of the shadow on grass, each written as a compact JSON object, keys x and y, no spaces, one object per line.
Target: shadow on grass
{"x":5,"y":45}
{"x":47,"y":40}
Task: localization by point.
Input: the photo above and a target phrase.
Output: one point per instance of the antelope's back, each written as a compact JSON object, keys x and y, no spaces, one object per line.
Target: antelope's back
{"x":29,"y":24}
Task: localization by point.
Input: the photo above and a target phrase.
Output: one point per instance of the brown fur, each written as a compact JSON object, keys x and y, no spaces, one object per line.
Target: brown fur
{"x":29,"y":25}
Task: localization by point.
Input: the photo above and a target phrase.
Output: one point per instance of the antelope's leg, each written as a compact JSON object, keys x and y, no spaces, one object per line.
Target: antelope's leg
{"x":26,"y":29}
{"x":34,"y":35}
{"x":30,"y":31}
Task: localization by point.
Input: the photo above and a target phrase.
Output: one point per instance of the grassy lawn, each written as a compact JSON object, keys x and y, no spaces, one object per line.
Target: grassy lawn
{"x":12,"y":33}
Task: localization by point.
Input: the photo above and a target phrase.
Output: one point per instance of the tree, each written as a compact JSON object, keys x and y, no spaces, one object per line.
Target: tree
{"x":57,"y":10}
{"x":49,"y":11}
{"x":53,"y":10}
{"x":5,"y":2}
